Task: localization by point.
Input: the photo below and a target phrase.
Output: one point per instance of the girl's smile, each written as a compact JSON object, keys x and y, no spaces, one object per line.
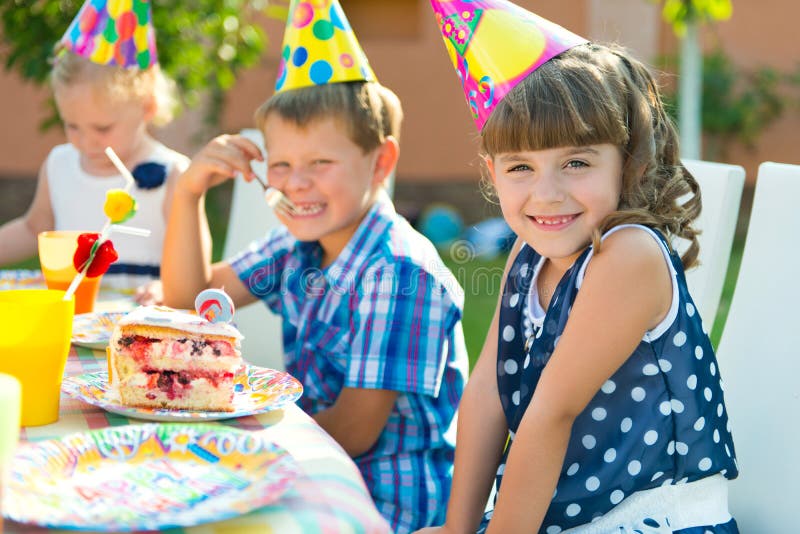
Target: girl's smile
{"x":551,"y":223}
{"x":555,"y":198}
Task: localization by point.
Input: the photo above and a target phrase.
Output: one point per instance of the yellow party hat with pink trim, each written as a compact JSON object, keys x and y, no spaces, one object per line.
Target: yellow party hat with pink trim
{"x":319,"y":47}
{"x":494,"y":45}
{"x":114,"y":32}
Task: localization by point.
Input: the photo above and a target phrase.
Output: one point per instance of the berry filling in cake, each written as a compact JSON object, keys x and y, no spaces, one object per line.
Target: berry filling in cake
{"x":163,"y":358}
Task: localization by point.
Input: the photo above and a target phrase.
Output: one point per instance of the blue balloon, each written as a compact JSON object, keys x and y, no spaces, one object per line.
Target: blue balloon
{"x":490,"y":238}
{"x":441,"y":224}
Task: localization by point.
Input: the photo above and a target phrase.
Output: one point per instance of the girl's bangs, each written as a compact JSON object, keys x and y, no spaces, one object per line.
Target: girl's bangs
{"x":555,"y":107}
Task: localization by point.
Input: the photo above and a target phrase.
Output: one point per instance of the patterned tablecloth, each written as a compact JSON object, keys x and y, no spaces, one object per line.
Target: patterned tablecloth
{"x":328,"y":497}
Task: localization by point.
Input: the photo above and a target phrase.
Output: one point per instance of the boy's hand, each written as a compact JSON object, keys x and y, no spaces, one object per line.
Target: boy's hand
{"x":221,"y":159}
{"x":150,"y":294}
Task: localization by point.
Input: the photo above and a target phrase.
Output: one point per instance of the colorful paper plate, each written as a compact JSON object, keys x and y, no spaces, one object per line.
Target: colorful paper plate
{"x":21,"y":279}
{"x":93,"y":330}
{"x":145,"y":477}
{"x":258,"y":390}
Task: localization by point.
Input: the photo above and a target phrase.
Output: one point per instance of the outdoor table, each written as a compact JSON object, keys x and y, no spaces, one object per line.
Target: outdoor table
{"x":328,"y":496}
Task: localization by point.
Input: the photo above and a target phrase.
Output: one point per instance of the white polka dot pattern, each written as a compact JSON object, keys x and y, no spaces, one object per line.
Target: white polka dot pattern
{"x":573,"y":469}
{"x":508,"y":333}
{"x":660,"y":417}
{"x":626,"y":425}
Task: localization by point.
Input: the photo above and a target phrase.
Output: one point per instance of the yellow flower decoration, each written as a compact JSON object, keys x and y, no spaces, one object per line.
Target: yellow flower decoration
{"x":119,"y":206}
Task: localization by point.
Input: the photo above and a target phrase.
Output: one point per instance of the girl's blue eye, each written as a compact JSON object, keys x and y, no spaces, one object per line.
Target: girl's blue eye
{"x":519,"y":168}
{"x":576,"y":164}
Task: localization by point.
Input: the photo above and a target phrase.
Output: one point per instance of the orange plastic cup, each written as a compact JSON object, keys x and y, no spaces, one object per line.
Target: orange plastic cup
{"x":35,"y":334}
{"x":56,"y":249}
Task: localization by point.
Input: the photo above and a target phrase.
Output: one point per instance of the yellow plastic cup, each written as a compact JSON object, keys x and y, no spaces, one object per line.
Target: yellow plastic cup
{"x":56,"y":249}
{"x":35,"y":334}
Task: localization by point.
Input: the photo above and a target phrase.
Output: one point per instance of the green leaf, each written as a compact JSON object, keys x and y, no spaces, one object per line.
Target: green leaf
{"x":679,"y":13}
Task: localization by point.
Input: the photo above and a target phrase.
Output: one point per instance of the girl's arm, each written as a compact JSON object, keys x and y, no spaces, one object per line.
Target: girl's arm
{"x":482,"y":432}
{"x":186,"y":265}
{"x":627,"y":291}
{"x":18,"y":237}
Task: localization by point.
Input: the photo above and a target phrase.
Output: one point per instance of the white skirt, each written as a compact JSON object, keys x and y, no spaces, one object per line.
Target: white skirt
{"x":665,"y":509}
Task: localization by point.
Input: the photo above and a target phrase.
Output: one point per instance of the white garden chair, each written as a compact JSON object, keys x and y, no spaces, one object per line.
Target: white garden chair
{"x":760,"y":358}
{"x":251,"y":219}
{"x":721,"y":187}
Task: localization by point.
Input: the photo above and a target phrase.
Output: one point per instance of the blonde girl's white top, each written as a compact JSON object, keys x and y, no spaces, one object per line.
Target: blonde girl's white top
{"x":77,"y":199}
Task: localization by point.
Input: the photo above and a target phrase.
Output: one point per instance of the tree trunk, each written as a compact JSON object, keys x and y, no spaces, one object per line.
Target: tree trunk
{"x":691,"y":73}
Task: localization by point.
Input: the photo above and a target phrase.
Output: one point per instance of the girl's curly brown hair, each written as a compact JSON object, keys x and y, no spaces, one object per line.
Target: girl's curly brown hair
{"x":595,"y":94}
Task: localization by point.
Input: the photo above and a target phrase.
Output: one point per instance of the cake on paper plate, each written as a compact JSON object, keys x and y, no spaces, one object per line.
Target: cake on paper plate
{"x":164,"y":358}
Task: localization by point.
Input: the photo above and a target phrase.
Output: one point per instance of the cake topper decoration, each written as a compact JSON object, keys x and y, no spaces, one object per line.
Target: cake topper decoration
{"x":319,"y":47}
{"x":214,"y":305}
{"x":494,"y":45}
{"x":119,"y":206}
{"x":98,"y":255}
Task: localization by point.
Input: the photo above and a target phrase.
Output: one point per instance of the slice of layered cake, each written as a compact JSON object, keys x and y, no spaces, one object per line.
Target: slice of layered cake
{"x":163,"y":358}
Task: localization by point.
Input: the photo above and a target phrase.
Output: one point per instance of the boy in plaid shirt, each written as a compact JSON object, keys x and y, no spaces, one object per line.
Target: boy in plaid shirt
{"x":371,"y":316}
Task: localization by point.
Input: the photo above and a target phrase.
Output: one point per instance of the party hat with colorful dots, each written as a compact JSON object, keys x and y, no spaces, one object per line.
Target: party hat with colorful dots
{"x":114,"y":32}
{"x":494,"y":45}
{"x":319,"y":47}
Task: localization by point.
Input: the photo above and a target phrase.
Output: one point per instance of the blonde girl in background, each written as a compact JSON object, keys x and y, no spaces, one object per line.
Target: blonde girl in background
{"x":596,"y":404}
{"x":107,"y":94}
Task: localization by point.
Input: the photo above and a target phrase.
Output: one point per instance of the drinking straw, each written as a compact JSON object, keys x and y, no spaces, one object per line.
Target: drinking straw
{"x":108,"y":228}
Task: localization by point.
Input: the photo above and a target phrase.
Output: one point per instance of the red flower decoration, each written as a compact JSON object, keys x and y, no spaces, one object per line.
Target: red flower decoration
{"x":101,"y":256}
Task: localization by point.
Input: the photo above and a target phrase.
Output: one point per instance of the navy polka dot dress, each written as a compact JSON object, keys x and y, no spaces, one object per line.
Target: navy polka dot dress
{"x":659,"y":420}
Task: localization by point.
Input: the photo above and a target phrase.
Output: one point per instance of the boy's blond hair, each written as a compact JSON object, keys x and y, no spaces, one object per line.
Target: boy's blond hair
{"x":121,"y":84}
{"x":370,"y":111}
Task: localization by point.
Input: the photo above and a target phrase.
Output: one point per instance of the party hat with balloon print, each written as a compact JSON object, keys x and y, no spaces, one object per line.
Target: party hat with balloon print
{"x":494,"y":45}
{"x":319,"y":47}
{"x":114,"y":32}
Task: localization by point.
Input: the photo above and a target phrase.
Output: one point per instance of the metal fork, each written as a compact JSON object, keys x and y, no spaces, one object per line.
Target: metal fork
{"x":276,"y":199}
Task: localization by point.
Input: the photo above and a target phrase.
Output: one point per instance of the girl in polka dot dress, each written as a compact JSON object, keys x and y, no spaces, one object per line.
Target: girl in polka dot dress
{"x":597,"y":403}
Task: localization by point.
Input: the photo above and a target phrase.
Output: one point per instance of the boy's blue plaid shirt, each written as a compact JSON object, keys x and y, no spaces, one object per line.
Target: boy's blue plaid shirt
{"x":386,"y":314}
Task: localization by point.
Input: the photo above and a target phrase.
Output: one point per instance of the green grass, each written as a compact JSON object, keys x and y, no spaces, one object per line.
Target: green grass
{"x":480,"y":280}
{"x":30,"y":263}
{"x":727,"y":290}
{"x":218,"y":209}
